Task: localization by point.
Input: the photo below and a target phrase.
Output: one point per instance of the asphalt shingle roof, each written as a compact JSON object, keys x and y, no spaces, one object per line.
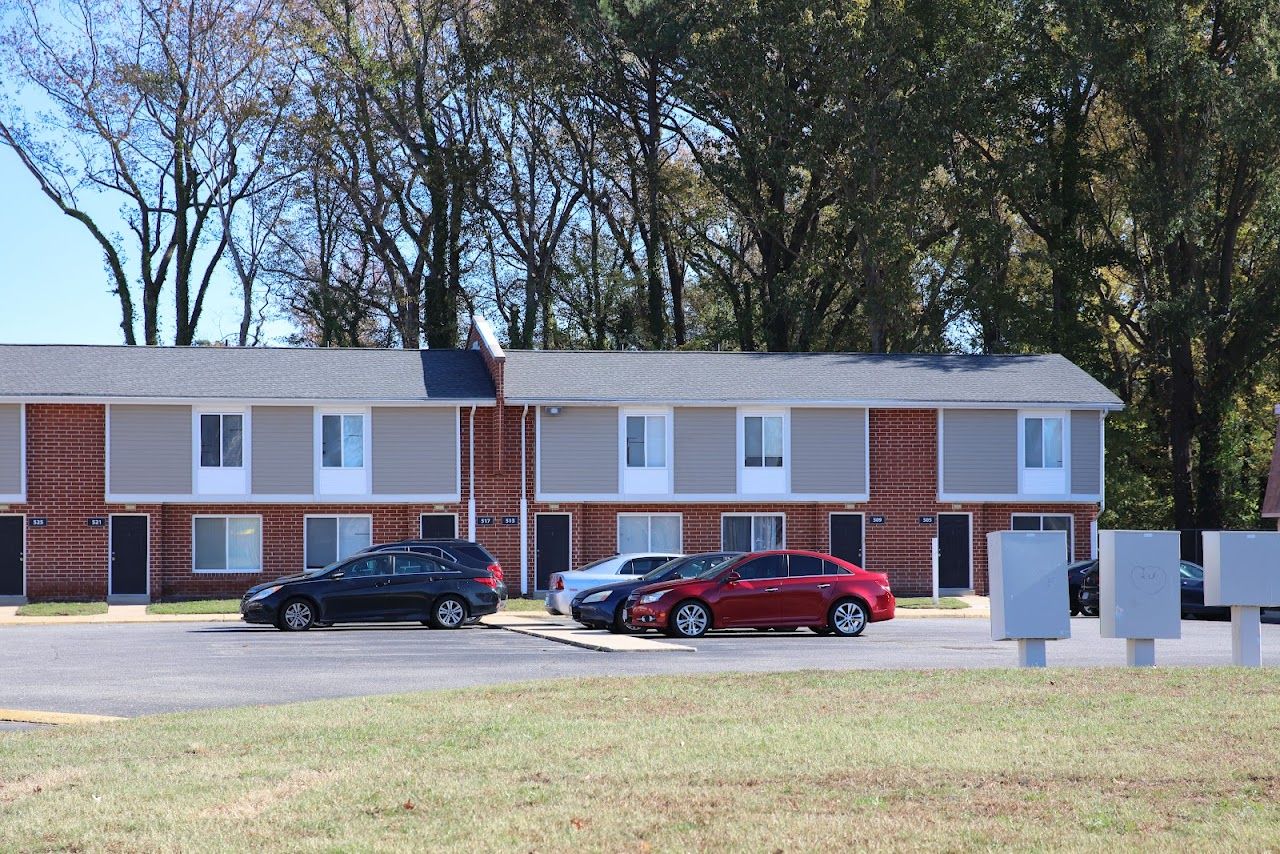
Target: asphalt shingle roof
{"x":567,"y":376}
{"x":258,"y":373}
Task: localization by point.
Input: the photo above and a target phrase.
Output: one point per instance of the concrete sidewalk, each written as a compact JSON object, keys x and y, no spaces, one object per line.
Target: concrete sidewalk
{"x":979,"y":608}
{"x":115,"y":614}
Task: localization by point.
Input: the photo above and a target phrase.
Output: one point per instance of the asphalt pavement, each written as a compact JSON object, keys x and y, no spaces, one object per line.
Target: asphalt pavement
{"x":140,"y":669}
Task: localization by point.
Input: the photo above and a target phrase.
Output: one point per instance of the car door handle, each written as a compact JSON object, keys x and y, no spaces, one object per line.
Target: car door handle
{"x":382,"y":583}
{"x":771,"y":589}
{"x":823,"y":586}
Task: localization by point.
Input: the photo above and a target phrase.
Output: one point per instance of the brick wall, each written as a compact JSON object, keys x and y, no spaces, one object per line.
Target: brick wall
{"x":65,"y":453}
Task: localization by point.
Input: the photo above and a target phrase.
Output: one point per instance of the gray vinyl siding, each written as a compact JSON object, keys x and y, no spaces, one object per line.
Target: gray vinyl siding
{"x":980,"y":451}
{"x":829,"y":451}
{"x":283,"y":443}
{"x":706,"y":450}
{"x":150,"y":450}
{"x":578,"y":450}
{"x":1086,"y":452}
{"x":10,"y":449}
{"x":415,"y":450}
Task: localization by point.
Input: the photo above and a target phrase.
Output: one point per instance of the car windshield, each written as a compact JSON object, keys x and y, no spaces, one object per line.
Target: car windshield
{"x":593,"y":564}
{"x":322,"y":569}
{"x":1191,"y":571}
{"x":717,"y":566}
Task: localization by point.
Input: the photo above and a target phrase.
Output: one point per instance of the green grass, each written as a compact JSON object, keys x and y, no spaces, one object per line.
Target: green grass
{"x":197,"y":606}
{"x":949,"y":603}
{"x":1060,"y":759}
{"x":538,"y":605}
{"x":62,"y":609}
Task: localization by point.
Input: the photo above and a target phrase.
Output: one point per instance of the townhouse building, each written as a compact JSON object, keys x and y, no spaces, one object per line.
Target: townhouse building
{"x":147,"y":473}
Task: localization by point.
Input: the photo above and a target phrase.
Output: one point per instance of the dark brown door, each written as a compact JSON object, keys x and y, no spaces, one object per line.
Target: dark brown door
{"x":128,"y":555}
{"x":551,"y":545}
{"x":11,"y":556}
{"x":953,"y":551}
{"x":846,"y":537}
{"x":436,"y":526}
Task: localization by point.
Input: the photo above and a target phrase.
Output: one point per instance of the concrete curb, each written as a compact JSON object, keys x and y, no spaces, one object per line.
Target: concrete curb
{"x":951,"y":613}
{"x":108,"y":618}
{"x":34,"y":716}
{"x":563,"y":631}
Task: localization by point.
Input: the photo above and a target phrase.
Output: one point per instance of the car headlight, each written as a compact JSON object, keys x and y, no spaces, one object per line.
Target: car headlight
{"x":265,"y":592}
{"x":652,"y":597}
{"x":596,"y":597}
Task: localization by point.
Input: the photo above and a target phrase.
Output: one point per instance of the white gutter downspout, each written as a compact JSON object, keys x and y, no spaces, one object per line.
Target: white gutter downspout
{"x":524,"y":509}
{"x":471,"y":476}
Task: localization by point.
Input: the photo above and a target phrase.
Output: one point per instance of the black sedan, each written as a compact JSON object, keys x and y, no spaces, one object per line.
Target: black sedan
{"x":1192,"y":576}
{"x":382,"y":587}
{"x":1075,"y":576}
{"x":601,"y":607}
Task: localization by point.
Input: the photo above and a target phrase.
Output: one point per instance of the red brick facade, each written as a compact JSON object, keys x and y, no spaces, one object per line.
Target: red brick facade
{"x":69,"y":559}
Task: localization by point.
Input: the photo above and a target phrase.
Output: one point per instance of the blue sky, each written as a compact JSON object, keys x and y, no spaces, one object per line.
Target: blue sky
{"x":52,"y":285}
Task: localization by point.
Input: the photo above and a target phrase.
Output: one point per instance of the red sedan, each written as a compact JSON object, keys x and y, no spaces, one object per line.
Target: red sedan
{"x":766,"y":590}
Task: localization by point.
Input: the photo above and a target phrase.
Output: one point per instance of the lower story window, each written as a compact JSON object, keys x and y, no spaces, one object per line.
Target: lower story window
{"x":331,"y":538}
{"x":226,"y":544}
{"x":655,"y":532}
{"x":752,"y":532}
{"x":1045,"y":522}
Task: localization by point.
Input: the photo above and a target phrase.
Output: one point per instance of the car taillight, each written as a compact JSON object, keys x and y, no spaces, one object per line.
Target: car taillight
{"x":496,"y":570}
{"x":487,"y":580}
{"x":559,"y":583}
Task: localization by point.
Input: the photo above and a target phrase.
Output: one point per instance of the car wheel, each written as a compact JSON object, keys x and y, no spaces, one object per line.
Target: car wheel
{"x":618,"y":627}
{"x":1088,"y":610}
{"x":449,"y":613}
{"x":848,"y":618}
{"x":297,"y":615}
{"x":689,"y":620}
{"x":820,"y":630}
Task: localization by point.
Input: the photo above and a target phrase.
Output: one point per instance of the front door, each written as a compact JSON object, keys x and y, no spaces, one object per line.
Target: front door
{"x":363,"y":592}
{"x":953,"y":551}
{"x":11,"y":557}
{"x":551,"y":547}
{"x":128,"y":556}
{"x":754,"y":599}
{"x":846,"y":537}
{"x":437,"y":526}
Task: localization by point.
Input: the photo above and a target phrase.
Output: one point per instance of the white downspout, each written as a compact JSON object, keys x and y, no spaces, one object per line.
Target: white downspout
{"x":524,"y":508}
{"x":471,"y":476}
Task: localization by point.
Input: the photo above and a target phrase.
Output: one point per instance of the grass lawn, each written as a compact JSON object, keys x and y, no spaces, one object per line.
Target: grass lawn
{"x":523,"y":605}
{"x":1062,"y":759}
{"x":197,"y":606}
{"x":948,"y":603}
{"x":62,"y":609}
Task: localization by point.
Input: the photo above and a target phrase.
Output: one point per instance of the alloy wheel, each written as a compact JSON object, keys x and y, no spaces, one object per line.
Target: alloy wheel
{"x":298,"y":615}
{"x":450,"y":613}
{"x":849,"y":618}
{"x":691,"y":620}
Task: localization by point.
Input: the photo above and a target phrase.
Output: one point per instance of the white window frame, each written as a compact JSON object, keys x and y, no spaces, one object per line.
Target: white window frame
{"x":1071,"y":531}
{"x":221,"y":480}
{"x":752,"y":516}
{"x":227,"y":517}
{"x":759,"y":480}
{"x":679,"y":517}
{"x":647,"y":480}
{"x":1044,"y":481}
{"x":347,"y":480}
{"x":306,"y":562}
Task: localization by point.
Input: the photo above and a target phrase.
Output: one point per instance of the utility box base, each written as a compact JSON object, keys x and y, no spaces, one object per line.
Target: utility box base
{"x":1031,"y":652}
{"x":1246,"y":636}
{"x":1140,"y":652}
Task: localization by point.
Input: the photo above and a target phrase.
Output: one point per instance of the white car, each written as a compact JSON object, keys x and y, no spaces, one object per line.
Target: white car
{"x":566,"y":585}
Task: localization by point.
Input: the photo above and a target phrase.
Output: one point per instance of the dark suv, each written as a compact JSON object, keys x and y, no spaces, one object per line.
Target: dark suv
{"x":452,"y":549}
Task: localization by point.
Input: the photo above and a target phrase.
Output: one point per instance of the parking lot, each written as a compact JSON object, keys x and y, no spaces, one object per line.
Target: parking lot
{"x":142,"y":669}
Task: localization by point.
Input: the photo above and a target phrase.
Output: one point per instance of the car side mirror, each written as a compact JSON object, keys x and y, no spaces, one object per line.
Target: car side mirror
{"x":337,"y":574}
{"x":732,"y":578}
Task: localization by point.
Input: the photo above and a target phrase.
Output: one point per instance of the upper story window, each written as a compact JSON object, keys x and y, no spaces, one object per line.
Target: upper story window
{"x":221,"y":440}
{"x":1042,"y":443}
{"x":762,"y":437}
{"x":646,"y":441}
{"x":342,"y":441}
